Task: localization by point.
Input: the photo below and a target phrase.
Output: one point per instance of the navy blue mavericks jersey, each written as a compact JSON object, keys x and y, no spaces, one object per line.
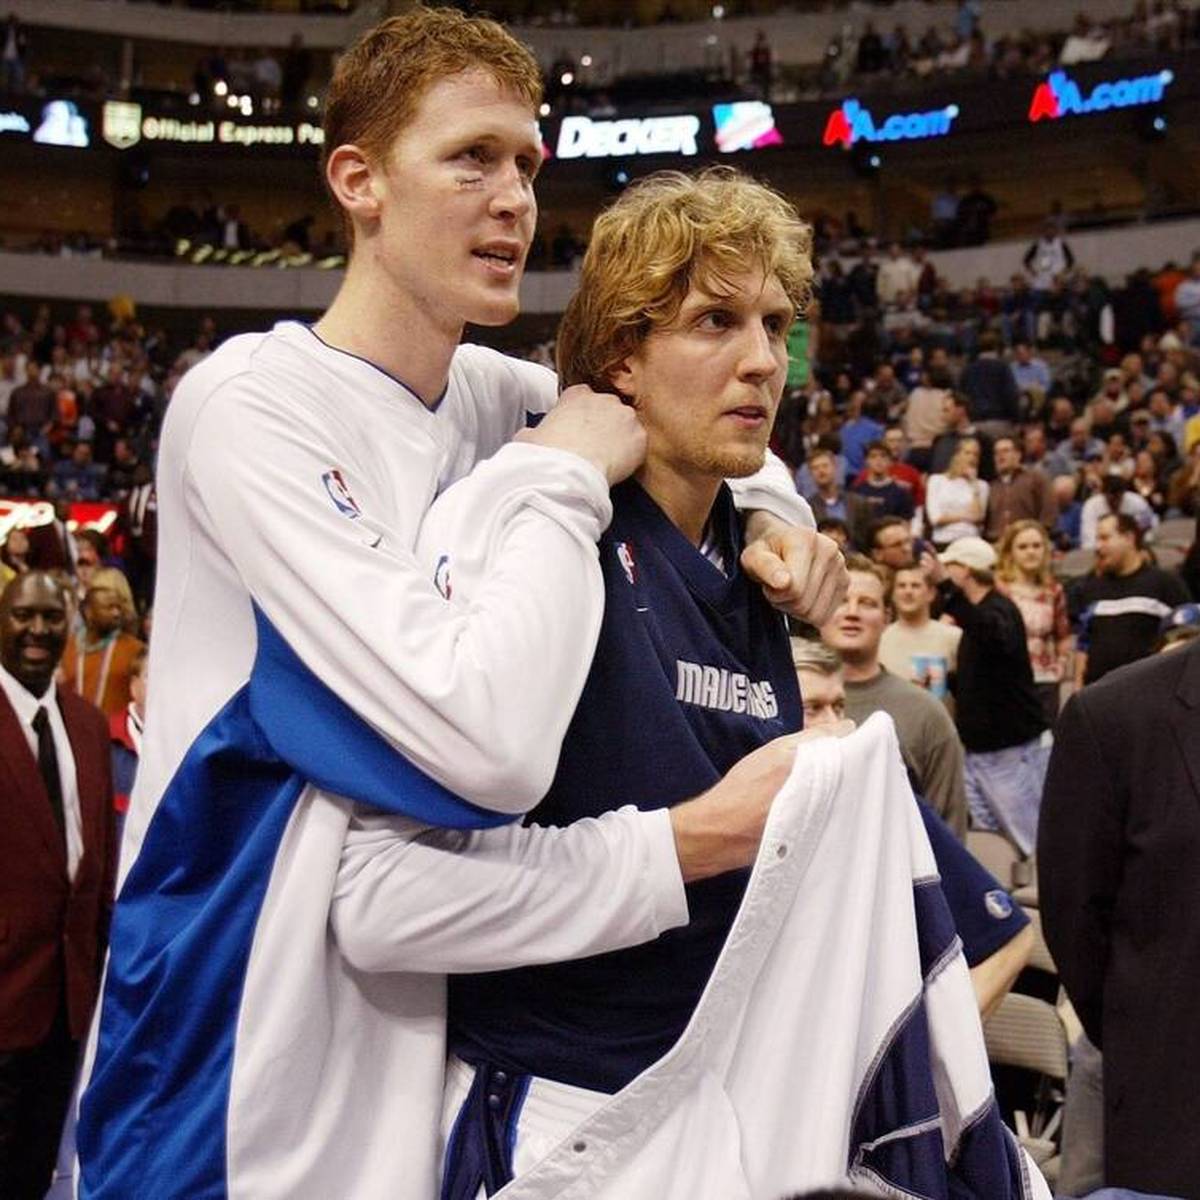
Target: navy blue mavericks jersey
{"x":693,"y":670}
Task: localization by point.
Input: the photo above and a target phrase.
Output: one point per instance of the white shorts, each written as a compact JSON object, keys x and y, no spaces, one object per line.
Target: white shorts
{"x":548,"y":1114}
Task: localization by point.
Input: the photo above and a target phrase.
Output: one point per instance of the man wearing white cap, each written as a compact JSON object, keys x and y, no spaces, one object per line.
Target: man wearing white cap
{"x":997,"y":712}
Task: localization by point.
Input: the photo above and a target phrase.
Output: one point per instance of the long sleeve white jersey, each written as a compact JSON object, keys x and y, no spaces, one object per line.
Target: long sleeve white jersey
{"x":302,"y":660}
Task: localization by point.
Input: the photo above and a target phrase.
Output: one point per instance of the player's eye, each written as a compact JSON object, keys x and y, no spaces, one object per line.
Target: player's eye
{"x":716,"y":318}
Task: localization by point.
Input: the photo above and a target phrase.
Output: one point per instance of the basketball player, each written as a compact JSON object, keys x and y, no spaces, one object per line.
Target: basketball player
{"x":693,"y":669}
{"x":307,"y":659}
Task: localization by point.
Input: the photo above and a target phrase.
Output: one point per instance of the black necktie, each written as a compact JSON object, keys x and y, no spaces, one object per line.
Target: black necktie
{"x":48,"y":765}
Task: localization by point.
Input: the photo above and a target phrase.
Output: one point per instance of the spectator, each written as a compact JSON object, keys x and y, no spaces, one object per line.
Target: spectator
{"x":14,"y":558}
{"x":12,"y":56}
{"x":1034,"y":451}
{"x":1187,"y":299}
{"x":1023,"y":574}
{"x":888,"y":498}
{"x":960,"y":428}
{"x":898,"y":276}
{"x":906,"y":475}
{"x":975,"y":212}
{"x":57,"y":861}
{"x":78,"y":477}
{"x":993,"y":399}
{"x":924,"y":729}
{"x":1030,"y":373}
{"x":872,"y":57}
{"x":997,"y":710}
{"x":1078,"y":449}
{"x":1114,"y":496}
{"x":297,"y":68}
{"x":891,"y":543}
{"x":830,"y":501}
{"x":1147,"y":482}
{"x":926,"y":417}
{"x":125,"y":730}
{"x":138,"y":522}
{"x":1017,"y":493}
{"x":54,"y":546}
{"x":1117,"y":609}
{"x":33,"y":405}
{"x":1047,"y":260}
{"x":115,"y":408}
{"x":98,"y":665}
{"x":1058,"y":422}
{"x":914,"y":646}
{"x":863,"y":425}
{"x":761,"y":64}
{"x":956,"y":502}
{"x":837,"y":531}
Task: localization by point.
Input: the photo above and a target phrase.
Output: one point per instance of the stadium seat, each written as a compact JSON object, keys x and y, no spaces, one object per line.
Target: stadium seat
{"x":1028,"y":1034}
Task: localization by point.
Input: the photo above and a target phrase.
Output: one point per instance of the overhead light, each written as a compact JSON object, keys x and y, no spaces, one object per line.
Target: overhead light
{"x":194,"y":99}
{"x":586,"y":61}
{"x":220,"y":87}
{"x":313,"y":102}
{"x":718,"y":12}
{"x":247,"y":106}
{"x":568,"y":78}
{"x":233,"y":100}
{"x":543,"y":109}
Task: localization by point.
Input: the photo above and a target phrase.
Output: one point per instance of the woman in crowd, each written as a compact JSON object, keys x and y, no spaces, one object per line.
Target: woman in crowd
{"x":1147,"y":482}
{"x":1023,"y":575}
{"x":955,"y":502}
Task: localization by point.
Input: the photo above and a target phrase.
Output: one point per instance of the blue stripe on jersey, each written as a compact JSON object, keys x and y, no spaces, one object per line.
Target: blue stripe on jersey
{"x":935,"y":926}
{"x":152,"y":1121}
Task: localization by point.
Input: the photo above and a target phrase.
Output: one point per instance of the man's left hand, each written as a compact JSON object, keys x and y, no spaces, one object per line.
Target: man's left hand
{"x":801,"y":571}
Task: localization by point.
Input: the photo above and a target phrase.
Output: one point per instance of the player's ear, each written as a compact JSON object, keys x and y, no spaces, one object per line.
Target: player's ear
{"x":352,"y":180}
{"x":624,"y":381}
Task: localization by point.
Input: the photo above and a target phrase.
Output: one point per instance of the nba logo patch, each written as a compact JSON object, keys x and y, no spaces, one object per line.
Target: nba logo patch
{"x":625,"y":558}
{"x":999,"y":905}
{"x":339,"y":493}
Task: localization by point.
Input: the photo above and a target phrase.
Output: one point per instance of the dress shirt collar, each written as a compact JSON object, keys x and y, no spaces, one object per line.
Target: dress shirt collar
{"x":25,"y":703}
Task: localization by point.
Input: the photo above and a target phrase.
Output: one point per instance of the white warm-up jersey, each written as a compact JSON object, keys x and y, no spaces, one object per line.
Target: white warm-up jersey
{"x":304,"y":662}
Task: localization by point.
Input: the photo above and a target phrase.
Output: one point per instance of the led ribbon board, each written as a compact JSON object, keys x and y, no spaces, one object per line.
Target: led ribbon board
{"x":851,"y":123}
{"x":745,"y":125}
{"x":1060,"y":95}
{"x":583,"y":137}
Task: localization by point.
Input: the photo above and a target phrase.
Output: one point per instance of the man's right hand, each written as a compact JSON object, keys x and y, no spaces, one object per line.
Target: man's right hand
{"x":720,"y":829}
{"x":596,"y":426}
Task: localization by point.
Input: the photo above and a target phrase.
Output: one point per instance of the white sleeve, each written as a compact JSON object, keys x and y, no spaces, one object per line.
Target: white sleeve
{"x":414,"y":898}
{"x":471,"y":696}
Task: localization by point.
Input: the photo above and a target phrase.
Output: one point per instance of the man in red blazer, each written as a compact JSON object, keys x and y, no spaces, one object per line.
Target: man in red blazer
{"x":57,"y":864}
